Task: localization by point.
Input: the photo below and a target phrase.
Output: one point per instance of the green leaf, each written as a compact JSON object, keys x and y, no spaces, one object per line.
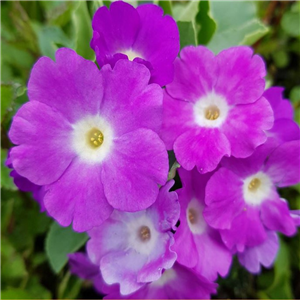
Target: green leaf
{"x":13,"y":265}
{"x":236,"y":24}
{"x":185,"y":12}
{"x":69,"y":287}
{"x":15,"y":293}
{"x":281,"y":286}
{"x":37,"y":290}
{"x":187,"y":33}
{"x":61,"y":241}
{"x":60,"y":13}
{"x":206,"y":23}
{"x":83,"y":31}
{"x":6,"y":181}
{"x":290,"y":23}
{"x":281,"y":58}
{"x":166,"y":5}
{"x":6,"y":98}
{"x":50,"y":38}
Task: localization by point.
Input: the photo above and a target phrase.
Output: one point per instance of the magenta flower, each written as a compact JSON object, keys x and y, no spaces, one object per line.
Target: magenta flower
{"x":214,"y":107}
{"x":133,"y":248}
{"x":284,"y":128}
{"x":142,"y":34}
{"x":178,"y":282}
{"x":252,"y":258}
{"x":242,"y":200}
{"x":89,"y":137}
{"x":197,"y":245}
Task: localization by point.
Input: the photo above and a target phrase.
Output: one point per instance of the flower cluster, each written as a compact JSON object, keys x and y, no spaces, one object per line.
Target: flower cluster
{"x":91,"y":145}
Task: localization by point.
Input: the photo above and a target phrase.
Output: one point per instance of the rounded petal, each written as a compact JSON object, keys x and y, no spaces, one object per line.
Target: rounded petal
{"x":129,"y":102}
{"x":72,"y":85}
{"x":158,"y":42}
{"x":245,"y":127}
{"x":177,"y":119}
{"x":113,"y":271}
{"x":276,"y":216}
{"x":43,"y":136}
{"x":84,"y":203}
{"x":214,"y":257}
{"x":138,"y":163}
{"x":264,"y":254}
{"x":195,"y":74}
{"x":283,"y":164}
{"x":282,"y":108}
{"x":246,"y":230}
{"x":201,"y":147}
{"x":240,"y":75}
{"x":115,"y":30}
{"x":285,"y":130}
{"x":224,"y":199}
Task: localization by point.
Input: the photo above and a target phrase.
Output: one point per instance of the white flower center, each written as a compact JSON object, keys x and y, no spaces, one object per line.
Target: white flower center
{"x":194,"y":216}
{"x":256,"y":188}
{"x":142,"y":235}
{"x":92,"y":139}
{"x":211,"y":110}
{"x":131,"y":54}
{"x":168,"y":275}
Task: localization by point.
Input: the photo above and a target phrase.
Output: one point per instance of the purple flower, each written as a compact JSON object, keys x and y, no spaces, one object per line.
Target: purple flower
{"x":284,"y":128}
{"x":178,"y":282}
{"x":142,"y":34}
{"x":25,"y":185}
{"x":264,"y":254}
{"x":214,"y":107}
{"x":133,"y":248}
{"x":90,"y":138}
{"x":242,"y":200}
{"x":81,"y":266}
{"x":197,"y":245}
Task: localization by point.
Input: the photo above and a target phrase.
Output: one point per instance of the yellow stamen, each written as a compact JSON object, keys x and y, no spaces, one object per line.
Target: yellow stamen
{"x":145,"y":233}
{"x":212,"y":113}
{"x":192,"y":215}
{"x":254,"y":184}
{"x":95,"y":138}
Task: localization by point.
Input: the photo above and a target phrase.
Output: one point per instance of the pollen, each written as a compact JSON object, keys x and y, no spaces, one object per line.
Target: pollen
{"x":192,"y":215}
{"x":254,"y":184}
{"x":95,"y":138}
{"x":212,"y":113}
{"x":144,"y":233}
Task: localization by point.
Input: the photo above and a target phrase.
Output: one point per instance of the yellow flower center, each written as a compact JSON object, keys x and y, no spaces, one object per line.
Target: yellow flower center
{"x":145,"y":233}
{"x":212,"y":113}
{"x":95,"y":138}
{"x":254,"y":184}
{"x":192,"y":215}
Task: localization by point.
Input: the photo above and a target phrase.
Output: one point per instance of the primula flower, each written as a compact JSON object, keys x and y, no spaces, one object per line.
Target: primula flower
{"x":252,"y":258}
{"x":25,"y":185}
{"x":242,"y":200}
{"x":141,"y":34}
{"x":133,"y":248}
{"x":178,"y":282}
{"x":214,"y":107}
{"x":284,"y":128}
{"x":89,"y":137}
{"x":197,"y":245}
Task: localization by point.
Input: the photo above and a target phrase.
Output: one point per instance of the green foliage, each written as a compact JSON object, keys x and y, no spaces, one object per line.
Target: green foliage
{"x":59,"y":242}
{"x":187,"y":33}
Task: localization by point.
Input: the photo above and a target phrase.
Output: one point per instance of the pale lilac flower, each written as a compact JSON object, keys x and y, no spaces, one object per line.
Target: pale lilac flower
{"x":252,"y":258}
{"x":178,"y":282}
{"x":242,"y":200}
{"x":133,"y":249}
{"x":197,"y":245}
{"x":140,"y":34}
{"x":90,"y":138}
{"x":214,"y":107}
